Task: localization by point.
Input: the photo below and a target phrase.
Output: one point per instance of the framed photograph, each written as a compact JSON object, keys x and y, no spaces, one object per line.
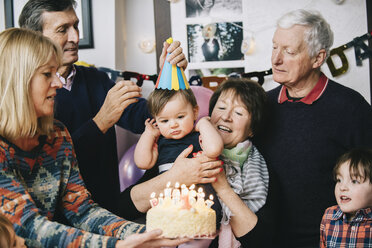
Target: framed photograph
{"x":212,"y":33}
{"x":84,"y":13}
{"x":8,"y":10}
{"x":215,"y":42}
{"x":83,"y":10}
{"x":202,"y":8}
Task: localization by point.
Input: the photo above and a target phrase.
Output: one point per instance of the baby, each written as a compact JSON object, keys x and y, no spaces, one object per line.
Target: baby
{"x":172,"y":130}
{"x":350,"y":222}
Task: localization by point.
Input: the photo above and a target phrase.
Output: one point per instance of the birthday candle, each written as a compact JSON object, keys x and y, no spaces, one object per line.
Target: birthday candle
{"x":192,"y":194}
{"x":153,"y":200}
{"x":168,"y":191}
{"x":176,"y":194}
{"x":185,"y":197}
{"x":209,"y":201}
{"x":161,"y":198}
{"x":200,"y":194}
{"x":184,"y":190}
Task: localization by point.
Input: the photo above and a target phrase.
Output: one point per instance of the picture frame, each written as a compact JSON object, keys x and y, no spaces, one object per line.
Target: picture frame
{"x":212,"y":33}
{"x":8,"y":9}
{"x":83,"y":11}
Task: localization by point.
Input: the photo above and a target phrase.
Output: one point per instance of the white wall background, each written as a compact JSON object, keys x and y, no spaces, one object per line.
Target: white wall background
{"x":119,"y":25}
{"x":2,"y":20}
{"x":103,"y":21}
{"x":348,"y":20}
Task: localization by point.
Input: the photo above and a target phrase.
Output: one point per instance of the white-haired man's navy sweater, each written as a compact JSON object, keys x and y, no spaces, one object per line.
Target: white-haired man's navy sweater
{"x":301,"y":145}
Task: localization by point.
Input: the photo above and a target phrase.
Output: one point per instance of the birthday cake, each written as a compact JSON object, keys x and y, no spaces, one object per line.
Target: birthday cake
{"x":182,"y":213}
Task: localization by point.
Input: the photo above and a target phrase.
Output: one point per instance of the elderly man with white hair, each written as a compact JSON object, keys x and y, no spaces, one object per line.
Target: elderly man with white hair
{"x":313,"y":120}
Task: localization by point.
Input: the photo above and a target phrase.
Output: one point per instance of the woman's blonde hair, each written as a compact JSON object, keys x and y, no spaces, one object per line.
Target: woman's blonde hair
{"x":5,"y":225}
{"x":22,"y":52}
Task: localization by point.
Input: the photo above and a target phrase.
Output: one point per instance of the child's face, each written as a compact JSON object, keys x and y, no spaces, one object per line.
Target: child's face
{"x":352,"y":194}
{"x":177,"y":118}
{"x":231,"y":118}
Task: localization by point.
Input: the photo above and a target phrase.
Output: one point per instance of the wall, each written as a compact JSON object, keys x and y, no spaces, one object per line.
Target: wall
{"x":2,"y":20}
{"x":116,"y":35}
{"x":103,"y":21}
{"x":133,"y":21}
{"x":139,"y":25}
{"x":348,"y":20}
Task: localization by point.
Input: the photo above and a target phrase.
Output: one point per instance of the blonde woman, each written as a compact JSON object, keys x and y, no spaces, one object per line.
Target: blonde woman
{"x":7,"y":236}
{"x":38,"y":167}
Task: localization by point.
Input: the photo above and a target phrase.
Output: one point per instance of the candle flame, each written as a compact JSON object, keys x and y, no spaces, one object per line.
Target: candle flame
{"x":200,"y":190}
{"x":192,"y":187}
{"x":211,"y":197}
{"x":161,"y":195}
{"x":153,"y":195}
{"x":177,"y":185}
{"x":168,"y":184}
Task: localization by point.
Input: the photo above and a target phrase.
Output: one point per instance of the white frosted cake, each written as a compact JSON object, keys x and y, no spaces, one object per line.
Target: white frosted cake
{"x":182,"y":213}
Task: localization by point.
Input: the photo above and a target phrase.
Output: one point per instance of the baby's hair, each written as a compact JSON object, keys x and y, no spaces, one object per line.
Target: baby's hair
{"x":360,"y":163}
{"x":160,"y":97}
{"x":5,"y":224}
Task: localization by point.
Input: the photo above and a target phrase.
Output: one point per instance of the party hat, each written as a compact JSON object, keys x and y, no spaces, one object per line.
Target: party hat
{"x":171,"y":77}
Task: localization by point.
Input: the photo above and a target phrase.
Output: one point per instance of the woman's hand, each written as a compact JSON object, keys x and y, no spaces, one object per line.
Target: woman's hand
{"x":243,"y":219}
{"x":184,"y":170}
{"x":200,"y":169}
{"x":221,"y":182}
{"x":149,"y":239}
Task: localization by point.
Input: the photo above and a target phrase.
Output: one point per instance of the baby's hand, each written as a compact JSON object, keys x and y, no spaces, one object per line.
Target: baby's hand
{"x":204,"y":119}
{"x":197,"y":154}
{"x":152,"y":128}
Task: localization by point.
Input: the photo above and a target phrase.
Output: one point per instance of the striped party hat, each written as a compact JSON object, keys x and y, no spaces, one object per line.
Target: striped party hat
{"x":171,"y":77}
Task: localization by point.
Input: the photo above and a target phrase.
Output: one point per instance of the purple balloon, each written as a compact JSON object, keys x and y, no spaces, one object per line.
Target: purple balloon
{"x":129,"y":173}
{"x":202,"y":95}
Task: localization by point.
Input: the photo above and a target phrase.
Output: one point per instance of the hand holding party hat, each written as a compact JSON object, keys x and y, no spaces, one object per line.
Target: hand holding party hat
{"x":171,"y":77}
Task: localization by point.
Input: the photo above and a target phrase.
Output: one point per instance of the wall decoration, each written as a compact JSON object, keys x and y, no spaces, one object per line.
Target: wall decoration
{"x":200,"y":8}
{"x":214,"y":42}
{"x":359,"y":45}
{"x":206,"y":72}
{"x":84,"y":13}
{"x":212,"y":77}
{"x":212,"y":33}
{"x":8,"y":9}
{"x":258,"y":18}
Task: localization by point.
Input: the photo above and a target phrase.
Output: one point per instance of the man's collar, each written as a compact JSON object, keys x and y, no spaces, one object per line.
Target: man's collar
{"x":67,"y":82}
{"x":314,"y":94}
